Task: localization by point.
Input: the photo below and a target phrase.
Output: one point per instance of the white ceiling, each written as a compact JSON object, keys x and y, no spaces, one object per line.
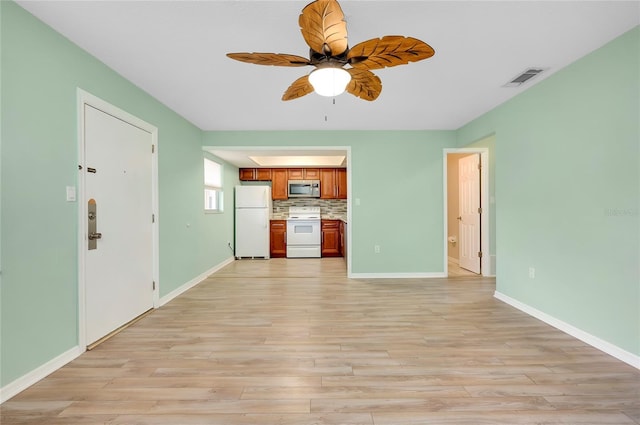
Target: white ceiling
{"x":175,"y":50}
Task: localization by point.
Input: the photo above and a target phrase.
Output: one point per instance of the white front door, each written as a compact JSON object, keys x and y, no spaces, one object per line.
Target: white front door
{"x":118,"y":178}
{"x":469,"y":212}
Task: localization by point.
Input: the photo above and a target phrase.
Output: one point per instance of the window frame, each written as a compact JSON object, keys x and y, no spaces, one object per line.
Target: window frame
{"x":209,"y":186}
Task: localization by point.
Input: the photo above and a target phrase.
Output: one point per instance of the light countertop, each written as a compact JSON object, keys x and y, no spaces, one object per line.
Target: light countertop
{"x":283,"y":216}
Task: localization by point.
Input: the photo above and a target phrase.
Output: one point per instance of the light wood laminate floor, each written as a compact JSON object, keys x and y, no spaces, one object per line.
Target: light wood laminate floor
{"x":293,"y":342}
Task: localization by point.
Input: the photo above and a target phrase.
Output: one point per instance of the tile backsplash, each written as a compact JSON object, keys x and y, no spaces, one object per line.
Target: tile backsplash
{"x":327,"y":206}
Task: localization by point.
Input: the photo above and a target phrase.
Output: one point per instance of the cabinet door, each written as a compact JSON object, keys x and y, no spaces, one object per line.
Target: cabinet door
{"x":327,"y":183}
{"x":311,"y":173}
{"x":247,"y":174}
{"x":341,"y":183}
{"x":295,"y":174}
{"x":278,"y":241}
{"x":342,"y":236}
{"x":330,"y":238}
{"x":263,"y":174}
{"x":279,"y":183}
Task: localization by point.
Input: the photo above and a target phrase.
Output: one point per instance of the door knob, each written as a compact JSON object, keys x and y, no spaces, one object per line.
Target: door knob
{"x":460,"y":218}
{"x":94,"y":236}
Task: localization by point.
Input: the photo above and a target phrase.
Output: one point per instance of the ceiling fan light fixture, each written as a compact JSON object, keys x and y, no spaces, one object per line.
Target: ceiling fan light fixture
{"x":324,"y":29}
{"x":329,"y":81}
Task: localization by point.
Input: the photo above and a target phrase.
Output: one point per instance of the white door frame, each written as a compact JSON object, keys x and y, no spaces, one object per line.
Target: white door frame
{"x":485,"y":235}
{"x":347,"y":149}
{"x":85,"y":98}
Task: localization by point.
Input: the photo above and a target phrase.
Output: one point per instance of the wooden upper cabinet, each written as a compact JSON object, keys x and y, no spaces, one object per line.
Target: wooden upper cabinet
{"x":247,"y":173}
{"x":295,"y":173}
{"x":304,"y":173}
{"x":327,"y":183}
{"x":279,"y":189}
{"x":311,"y":173}
{"x":263,"y":174}
{"x":255,"y":174}
{"x":341,"y":183}
{"x":333,"y":183}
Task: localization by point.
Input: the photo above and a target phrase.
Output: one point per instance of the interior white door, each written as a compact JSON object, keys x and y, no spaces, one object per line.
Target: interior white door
{"x":469,"y":212}
{"x":118,"y":178}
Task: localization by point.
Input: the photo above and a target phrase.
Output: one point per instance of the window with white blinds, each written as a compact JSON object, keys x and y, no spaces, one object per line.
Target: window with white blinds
{"x":212,"y":186}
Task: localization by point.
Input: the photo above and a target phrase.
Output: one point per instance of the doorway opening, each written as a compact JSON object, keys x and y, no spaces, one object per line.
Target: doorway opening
{"x":466,"y":213}
{"x":299,"y":157}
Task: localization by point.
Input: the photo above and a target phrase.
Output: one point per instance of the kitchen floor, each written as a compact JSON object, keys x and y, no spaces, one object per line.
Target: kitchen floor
{"x":294,"y":342}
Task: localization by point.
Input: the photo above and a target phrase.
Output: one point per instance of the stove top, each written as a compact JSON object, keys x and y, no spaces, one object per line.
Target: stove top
{"x":304,"y":213}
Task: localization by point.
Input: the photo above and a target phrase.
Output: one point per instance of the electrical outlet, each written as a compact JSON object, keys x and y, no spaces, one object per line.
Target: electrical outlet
{"x":532,"y":273}
{"x":376,"y":249}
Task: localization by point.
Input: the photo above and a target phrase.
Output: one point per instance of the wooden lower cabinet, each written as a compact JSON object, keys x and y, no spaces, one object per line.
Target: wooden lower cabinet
{"x":342,"y":237}
{"x":330,"y":238}
{"x":278,"y":239}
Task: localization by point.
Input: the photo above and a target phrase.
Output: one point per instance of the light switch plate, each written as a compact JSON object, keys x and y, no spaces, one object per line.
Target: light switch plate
{"x":71,"y":193}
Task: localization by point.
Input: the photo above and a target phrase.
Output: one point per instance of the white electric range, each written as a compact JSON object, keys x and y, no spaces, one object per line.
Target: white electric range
{"x":303,"y":232}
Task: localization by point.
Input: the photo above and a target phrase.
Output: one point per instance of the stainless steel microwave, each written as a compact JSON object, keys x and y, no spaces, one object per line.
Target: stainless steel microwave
{"x":304,"y":188}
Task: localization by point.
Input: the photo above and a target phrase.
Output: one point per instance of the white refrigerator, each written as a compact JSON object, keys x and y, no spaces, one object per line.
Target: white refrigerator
{"x":253,"y":212}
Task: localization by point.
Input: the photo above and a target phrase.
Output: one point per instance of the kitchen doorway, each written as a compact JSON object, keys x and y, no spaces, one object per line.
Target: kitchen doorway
{"x":466,"y":213}
{"x":293,"y":156}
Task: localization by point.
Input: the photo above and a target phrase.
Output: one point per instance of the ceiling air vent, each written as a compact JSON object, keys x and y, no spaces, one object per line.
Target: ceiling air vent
{"x":524,"y":76}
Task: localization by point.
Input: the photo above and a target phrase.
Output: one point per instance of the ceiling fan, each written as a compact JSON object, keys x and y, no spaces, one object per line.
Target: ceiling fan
{"x":325,"y":31}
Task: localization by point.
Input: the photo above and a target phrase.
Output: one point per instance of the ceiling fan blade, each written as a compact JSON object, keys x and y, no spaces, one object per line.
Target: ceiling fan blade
{"x":390,"y":50}
{"x":324,"y":28}
{"x":276,"y":59}
{"x":298,"y":88}
{"x":364,"y":84}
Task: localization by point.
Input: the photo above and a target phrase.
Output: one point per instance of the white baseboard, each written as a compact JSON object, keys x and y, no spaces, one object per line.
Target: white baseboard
{"x":51,"y":366}
{"x":594,"y":341}
{"x":396,"y":275}
{"x":25,"y":381}
{"x":193,"y":282}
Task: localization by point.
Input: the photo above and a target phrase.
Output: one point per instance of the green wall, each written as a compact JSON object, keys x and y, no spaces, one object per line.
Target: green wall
{"x":397,"y":176}
{"x":567,"y":193}
{"x":40,"y":73}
